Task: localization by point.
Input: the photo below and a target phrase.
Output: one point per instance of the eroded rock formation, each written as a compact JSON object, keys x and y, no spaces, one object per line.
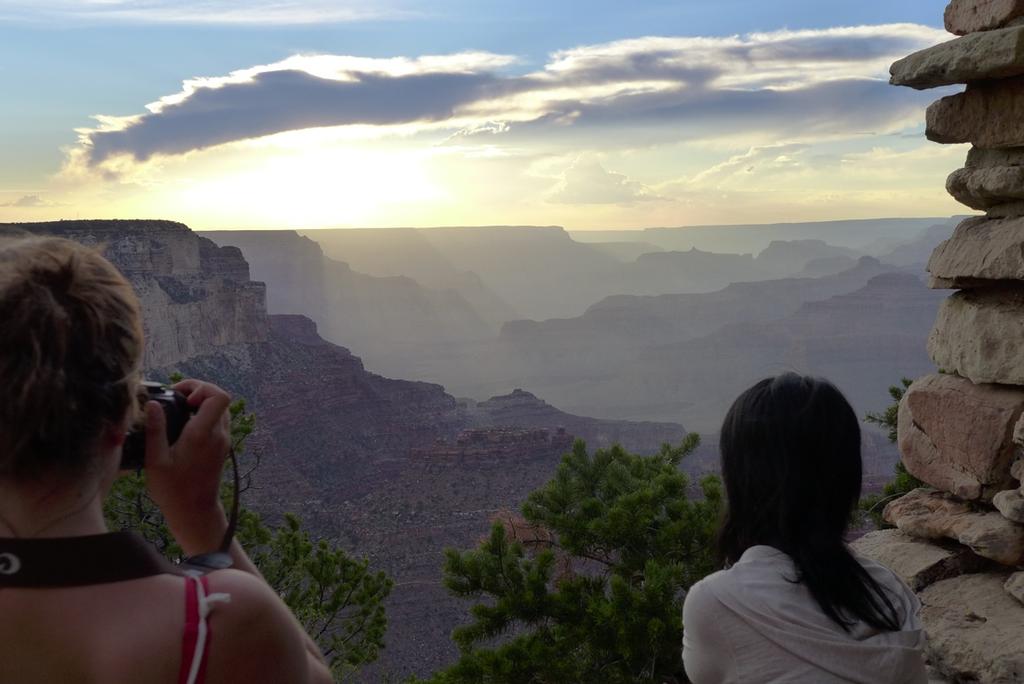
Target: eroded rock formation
{"x":196,"y":297}
{"x":961,"y":431}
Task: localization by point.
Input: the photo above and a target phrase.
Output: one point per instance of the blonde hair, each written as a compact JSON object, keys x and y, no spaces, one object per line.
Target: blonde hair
{"x":70,"y":354}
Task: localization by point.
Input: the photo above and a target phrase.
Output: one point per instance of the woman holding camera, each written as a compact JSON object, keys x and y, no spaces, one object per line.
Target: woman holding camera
{"x":794,"y":604}
{"x":70,"y":362}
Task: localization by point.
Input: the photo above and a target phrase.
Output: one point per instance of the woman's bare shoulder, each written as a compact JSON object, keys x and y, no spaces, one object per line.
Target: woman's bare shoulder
{"x":240,"y":584}
{"x":256,"y":639}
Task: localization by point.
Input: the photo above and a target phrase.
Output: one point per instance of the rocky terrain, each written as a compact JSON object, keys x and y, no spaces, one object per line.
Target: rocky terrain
{"x":688,"y":355}
{"x":917,"y":252}
{"x":408,"y":252}
{"x":959,"y":541}
{"x":785,"y":258}
{"x":392,"y":322}
{"x":444,"y":328}
{"x":863,"y":341}
{"x":543,"y":272}
{"x":869,"y":236}
{"x":198,"y":296}
{"x":540,"y":271}
{"x":523,"y":409}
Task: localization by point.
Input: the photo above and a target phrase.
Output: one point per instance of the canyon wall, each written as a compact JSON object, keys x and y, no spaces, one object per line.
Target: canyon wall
{"x":196,"y":297}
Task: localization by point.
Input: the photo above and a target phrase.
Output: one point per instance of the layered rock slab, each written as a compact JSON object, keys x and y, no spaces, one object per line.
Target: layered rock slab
{"x":967,"y":16}
{"x":929,"y":514}
{"x":1009,"y":210}
{"x":196,"y":298}
{"x":980,"y":249}
{"x":974,"y":629}
{"x":1014,"y":586}
{"x":918,"y":563}
{"x":988,"y":114}
{"x":988,"y":55}
{"x":958,"y":436}
{"x":979,"y":335}
{"x":1017,"y":468}
{"x":987,"y":188}
{"x":1011,"y":504}
{"x":981,"y":158}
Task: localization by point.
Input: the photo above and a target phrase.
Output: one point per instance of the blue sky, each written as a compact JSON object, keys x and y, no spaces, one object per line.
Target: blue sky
{"x":63,"y":63}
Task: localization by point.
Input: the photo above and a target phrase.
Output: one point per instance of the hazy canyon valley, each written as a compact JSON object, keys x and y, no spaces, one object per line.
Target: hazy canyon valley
{"x":409,"y":384}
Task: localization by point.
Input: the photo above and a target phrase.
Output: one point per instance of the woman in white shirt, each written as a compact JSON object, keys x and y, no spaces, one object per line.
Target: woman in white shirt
{"x":794,"y":604}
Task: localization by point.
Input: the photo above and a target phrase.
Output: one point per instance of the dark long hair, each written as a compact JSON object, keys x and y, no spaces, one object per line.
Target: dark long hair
{"x":792,"y":469}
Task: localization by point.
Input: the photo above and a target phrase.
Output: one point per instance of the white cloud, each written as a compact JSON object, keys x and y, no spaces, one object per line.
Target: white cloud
{"x":588,"y":182}
{"x":487,"y":128}
{"x":770,"y":159}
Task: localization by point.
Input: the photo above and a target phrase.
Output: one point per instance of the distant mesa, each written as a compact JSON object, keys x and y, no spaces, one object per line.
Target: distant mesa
{"x":299,"y":329}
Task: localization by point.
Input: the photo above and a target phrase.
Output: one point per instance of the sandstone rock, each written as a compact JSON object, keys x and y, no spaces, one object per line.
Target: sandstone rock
{"x":988,"y":114}
{"x":974,"y":629}
{"x":1014,"y":586}
{"x":196,"y":298}
{"x":967,"y":16}
{"x":955,"y":283}
{"x":936,"y":677}
{"x":980,"y":158}
{"x":1011,"y":504}
{"x":1009,"y":210}
{"x":958,"y":436}
{"x":930,"y":514}
{"x":1017,"y":469}
{"x":992,"y":54}
{"x":980,"y":249}
{"x":987,"y":188}
{"x":916,"y":562}
{"x":979,"y":334}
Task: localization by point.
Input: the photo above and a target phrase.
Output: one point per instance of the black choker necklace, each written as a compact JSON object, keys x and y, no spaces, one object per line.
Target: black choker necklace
{"x":80,"y":561}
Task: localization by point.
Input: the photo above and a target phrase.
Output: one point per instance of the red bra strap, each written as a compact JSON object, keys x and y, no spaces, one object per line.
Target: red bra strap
{"x":190,"y":640}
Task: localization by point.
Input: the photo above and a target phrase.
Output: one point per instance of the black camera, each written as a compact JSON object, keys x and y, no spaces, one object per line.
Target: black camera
{"x":176,"y":413}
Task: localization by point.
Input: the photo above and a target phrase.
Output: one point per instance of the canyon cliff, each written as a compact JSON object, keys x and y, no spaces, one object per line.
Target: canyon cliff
{"x":544,"y":272}
{"x":196,"y":297}
{"x":393,"y":323}
{"x":651,"y":357}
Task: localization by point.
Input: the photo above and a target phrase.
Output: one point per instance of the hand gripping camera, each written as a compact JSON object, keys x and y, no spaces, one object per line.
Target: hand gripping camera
{"x":176,"y":413}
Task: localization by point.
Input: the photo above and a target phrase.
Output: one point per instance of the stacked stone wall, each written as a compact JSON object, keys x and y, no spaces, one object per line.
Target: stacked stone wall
{"x":959,"y":541}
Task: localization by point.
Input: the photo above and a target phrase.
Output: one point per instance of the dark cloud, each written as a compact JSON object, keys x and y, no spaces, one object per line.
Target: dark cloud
{"x":837,"y":108}
{"x":849,"y":105}
{"x":277,"y":101}
{"x":810,"y":47}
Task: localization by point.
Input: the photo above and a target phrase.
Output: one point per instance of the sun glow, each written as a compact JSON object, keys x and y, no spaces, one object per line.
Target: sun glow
{"x":300,"y":186}
{"x":789,"y":125}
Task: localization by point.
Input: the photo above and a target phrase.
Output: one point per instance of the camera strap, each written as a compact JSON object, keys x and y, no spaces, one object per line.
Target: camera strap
{"x":80,"y":561}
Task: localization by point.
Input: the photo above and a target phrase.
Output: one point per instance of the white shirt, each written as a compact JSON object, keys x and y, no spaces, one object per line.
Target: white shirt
{"x":751,"y":623}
